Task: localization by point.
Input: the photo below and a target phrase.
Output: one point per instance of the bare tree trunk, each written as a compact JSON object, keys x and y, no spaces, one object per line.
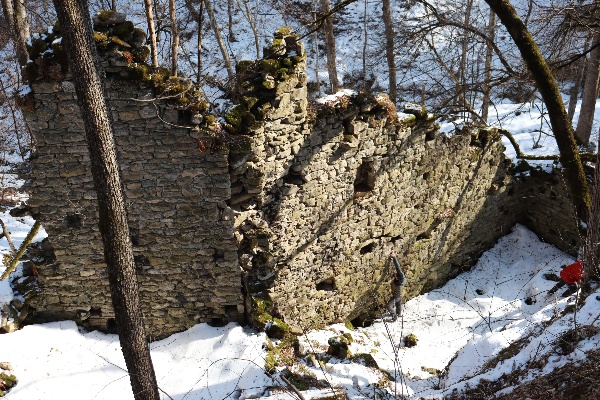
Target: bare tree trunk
{"x":74,"y":19}
{"x":199,"y":42}
{"x":365,"y":42}
{"x":114,"y":5}
{"x":18,"y":27}
{"x":220,"y":42}
{"x":151,"y":32}
{"x":231,"y":36}
{"x":389,"y":50}
{"x":591,"y":253}
{"x":563,"y":131}
{"x":489,"y":52}
{"x":317,"y":54}
{"x":174,"y":37}
{"x":590,"y":94}
{"x":330,"y":46}
{"x":461,"y":89}
{"x":248,"y":15}
{"x":574,"y":91}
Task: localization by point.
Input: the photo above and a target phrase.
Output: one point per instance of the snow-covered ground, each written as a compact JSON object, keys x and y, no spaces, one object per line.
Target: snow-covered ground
{"x":459,"y":328}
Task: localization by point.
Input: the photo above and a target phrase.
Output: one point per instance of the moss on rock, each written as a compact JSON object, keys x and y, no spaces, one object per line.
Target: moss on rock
{"x":124,"y":30}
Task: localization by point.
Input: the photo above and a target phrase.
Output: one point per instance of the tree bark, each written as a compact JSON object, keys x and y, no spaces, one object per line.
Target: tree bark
{"x":489,"y":53}
{"x":199,"y":42}
{"x":330,"y":47}
{"x":220,"y":42}
{"x":151,"y":32}
{"x":591,"y":252}
{"x":461,"y":88}
{"x":174,"y":37}
{"x":590,"y":94}
{"x":563,"y":131}
{"x":389,"y":50}
{"x":231,"y":36}
{"x":78,"y":40}
{"x":18,"y":27}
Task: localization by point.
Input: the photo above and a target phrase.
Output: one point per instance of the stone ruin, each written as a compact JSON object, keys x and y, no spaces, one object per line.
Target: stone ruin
{"x":284,"y":215}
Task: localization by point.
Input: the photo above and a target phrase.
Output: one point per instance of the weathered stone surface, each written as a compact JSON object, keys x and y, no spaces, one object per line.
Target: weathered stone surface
{"x":304,"y":216}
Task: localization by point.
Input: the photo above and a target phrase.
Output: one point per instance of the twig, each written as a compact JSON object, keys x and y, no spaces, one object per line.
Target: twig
{"x":294,"y":389}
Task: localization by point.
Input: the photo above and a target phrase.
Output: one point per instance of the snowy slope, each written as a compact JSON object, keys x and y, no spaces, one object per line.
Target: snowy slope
{"x":459,"y":328}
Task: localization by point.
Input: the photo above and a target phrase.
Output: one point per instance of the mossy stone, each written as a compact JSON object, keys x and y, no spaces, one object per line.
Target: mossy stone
{"x":270,"y":361}
{"x":242,"y":66}
{"x":283,"y":32}
{"x":277,"y":329}
{"x":141,"y":54}
{"x":9,"y":380}
{"x":348,"y":325}
{"x":269,"y":66}
{"x":124,"y":30}
{"x":209,"y":120}
{"x":338,"y":347}
{"x":140,"y":72}
{"x":410,"y":340}
{"x":101,"y":40}
{"x":268,"y":84}
{"x":298,"y":59}
{"x":248,"y":101}
{"x":286,"y":63}
{"x":118,"y":41}
{"x":235,"y":115}
{"x":138,"y":38}
{"x":105,"y":15}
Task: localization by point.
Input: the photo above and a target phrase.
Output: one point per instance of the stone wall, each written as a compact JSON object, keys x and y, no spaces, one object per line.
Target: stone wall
{"x":548,"y":209}
{"x":185,"y":253}
{"x":289,"y":206}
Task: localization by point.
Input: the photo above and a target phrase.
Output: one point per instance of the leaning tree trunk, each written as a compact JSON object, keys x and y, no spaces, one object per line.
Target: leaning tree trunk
{"x":590,"y":94}
{"x":563,"y":131}
{"x":389,"y":50}
{"x":76,"y":24}
{"x":151,"y":32}
{"x":330,"y":47}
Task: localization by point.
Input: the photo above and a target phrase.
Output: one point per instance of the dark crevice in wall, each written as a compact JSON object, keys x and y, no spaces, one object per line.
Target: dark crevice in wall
{"x":95,"y":311}
{"x":74,"y":221}
{"x":111,"y":325}
{"x":134,"y":234}
{"x":141,"y":263}
{"x":365,"y":177}
{"x":327,"y":285}
{"x":294,"y":178}
{"x":218,"y":255}
{"x":367,"y":249}
{"x":424,"y":236}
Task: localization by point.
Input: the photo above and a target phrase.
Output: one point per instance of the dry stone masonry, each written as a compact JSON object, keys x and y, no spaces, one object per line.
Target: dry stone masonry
{"x":287,"y":212}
